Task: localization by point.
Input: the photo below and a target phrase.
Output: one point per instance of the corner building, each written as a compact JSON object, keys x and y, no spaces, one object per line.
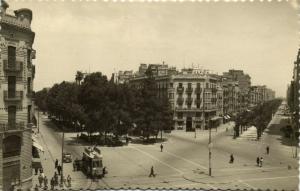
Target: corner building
{"x":16,"y":83}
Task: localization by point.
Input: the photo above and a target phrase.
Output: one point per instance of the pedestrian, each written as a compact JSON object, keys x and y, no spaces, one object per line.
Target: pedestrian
{"x":55,"y":179}
{"x":52,"y":183}
{"x":268,"y":150}
{"x":56,"y":163}
{"x":231,"y":158}
{"x":152,"y":172}
{"x":59,"y":169}
{"x":41,"y":170}
{"x":36,"y":188}
{"x":69,"y":180}
{"x":161,"y":147}
{"x":46,"y":182}
{"x":74,"y":165}
{"x":41,"y":179}
{"x":36,"y":170}
{"x":261,"y":161}
{"x":257,"y":161}
{"x":103,"y":171}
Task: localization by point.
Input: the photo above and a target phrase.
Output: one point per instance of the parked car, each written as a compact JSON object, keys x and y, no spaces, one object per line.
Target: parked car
{"x":67,"y":157}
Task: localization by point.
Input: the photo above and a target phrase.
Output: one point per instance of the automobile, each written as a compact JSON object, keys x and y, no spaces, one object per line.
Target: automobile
{"x":67,"y":157}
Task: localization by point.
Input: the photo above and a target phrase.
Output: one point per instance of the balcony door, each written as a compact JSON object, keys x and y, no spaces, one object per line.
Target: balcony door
{"x":12,"y":117}
{"x":11,"y":56}
{"x":11,"y":86}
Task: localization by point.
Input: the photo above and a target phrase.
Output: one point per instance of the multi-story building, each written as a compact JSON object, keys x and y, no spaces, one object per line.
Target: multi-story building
{"x":231,"y":98}
{"x":244,"y":83}
{"x":194,"y":97}
{"x":123,"y":77}
{"x":17,"y":74}
{"x":259,"y":94}
{"x":293,"y":94}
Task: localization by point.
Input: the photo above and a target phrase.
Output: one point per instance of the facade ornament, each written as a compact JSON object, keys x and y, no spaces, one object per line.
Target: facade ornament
{"x":3,"y":43}
{"x":21,"y":46}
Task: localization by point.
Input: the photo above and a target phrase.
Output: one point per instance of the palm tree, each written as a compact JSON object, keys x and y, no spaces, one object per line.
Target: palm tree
{"x":78,"y":77}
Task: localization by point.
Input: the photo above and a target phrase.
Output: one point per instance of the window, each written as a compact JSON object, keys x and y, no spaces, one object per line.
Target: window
{"x":29,"y":113}
{"x":11,"y":86}
{"x":189,"y":85}
{"x":11,"y":146}
{"x":206,"y":85}
{"x":198,"y":96}
{"x":189,"y":95}
{"x":28,"y":57}
{"x":171,"y":85}
{"x":179,"y":115}
{"x":198,"y":105}
{"x":198,"y":114}
{"x":189,"y":106}
{"x":28,"y":85}
{"x":198,"y":85}
{"x":11,"y":56}
{"x":180,"y":85}
{"x":171,"y":95}
{"x":12,"y":117}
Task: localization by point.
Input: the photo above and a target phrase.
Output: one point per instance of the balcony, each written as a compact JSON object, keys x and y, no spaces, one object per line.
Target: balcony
{"x":180,"y":89}
{"x":189,"y":90}
{"x":13,"y":96}
{"x":198,"y":101}
{"x":18,"y":126}
{"x":12,"y":67}
{"x":180,"y":101}
{"x":189,"y":101}
{"x":198,"y":119}
{"x":198,"y":90}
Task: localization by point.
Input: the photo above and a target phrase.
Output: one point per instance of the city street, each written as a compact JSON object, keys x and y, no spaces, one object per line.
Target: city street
{"x":183,"y":162}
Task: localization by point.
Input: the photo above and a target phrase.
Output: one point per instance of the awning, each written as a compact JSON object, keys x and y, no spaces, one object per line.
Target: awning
{"x":215,"y":118}
{"x":36,"y":163}
{"x":225,"y":117}
{"x":38,"y":146}
{"x":228,"y":117}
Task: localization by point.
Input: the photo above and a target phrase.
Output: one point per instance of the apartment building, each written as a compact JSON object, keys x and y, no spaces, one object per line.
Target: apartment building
{"x":16,"y":84}
{"x":195,"y":97}
{"x":231,"y":98}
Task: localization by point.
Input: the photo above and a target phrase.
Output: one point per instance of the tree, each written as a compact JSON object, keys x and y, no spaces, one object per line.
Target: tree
{"x":78,"y":77}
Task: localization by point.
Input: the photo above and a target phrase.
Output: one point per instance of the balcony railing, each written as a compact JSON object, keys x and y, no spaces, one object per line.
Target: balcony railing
{"x":180,"y":89}
{"x":12,"y":126}
{"x":198,"y":101}
{"x":180,"y":101}
{"x":189,"y":100}
{"x":17,"y":67}
{"x":13,"y":96}
{"x":198,"y":90}
{"x":189,"y":90}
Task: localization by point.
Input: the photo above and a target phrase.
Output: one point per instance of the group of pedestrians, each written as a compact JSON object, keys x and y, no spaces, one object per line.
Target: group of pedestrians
{"x":259,"y":160}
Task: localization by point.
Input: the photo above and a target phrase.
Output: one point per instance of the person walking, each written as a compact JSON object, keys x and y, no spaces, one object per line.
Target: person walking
{"x":268,"y":149}
{"x":41,"y":179}
{"x":261,"y":161}
{"x":36,"y":188}
{"x":52,"y":183}
{"x":59,"y":169}
{"x":151,"y":172}
{"x":55,"y":179}
{"x":74,"y":165}
{"x":56,"y":163}
{"x":231,"y":159}
{"x":69,"y":180}
{"x":36,"y":170}
{"x":46,"y":182}
{"x":257,"y":161}
{"x":103,"y":171}
{"x":161,"y":147}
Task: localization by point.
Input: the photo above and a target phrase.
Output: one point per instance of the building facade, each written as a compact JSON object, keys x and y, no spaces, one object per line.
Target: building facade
{"x":195,"y":97}
{"x":17,"y":74}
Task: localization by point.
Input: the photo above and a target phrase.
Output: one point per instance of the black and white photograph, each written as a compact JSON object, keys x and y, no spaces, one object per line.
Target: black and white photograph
{"x":149,"y":94}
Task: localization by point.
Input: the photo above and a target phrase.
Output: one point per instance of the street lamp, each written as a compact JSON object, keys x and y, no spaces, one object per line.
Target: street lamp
{"x":62,"y":157}
{"x":209,"y":151}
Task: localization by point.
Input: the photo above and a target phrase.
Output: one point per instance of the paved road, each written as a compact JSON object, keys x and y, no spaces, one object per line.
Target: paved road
{"x":184,"y":161}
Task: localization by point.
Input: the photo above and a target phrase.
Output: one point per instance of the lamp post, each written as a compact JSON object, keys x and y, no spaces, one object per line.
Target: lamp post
{"x":209,"y":151}
{"x":62,"y":157}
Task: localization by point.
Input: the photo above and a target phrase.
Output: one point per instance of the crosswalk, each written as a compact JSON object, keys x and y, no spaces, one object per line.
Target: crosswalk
{"x":250,"y":134}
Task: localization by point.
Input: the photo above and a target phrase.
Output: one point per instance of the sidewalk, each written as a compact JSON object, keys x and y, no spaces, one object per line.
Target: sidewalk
{"x":203,"y":134}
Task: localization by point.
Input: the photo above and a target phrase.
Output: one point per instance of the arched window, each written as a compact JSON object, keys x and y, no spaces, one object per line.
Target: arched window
{"x":11,"y":146}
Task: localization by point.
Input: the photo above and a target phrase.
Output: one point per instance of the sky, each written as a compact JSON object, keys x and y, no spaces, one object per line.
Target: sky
{"x":261,"y":38}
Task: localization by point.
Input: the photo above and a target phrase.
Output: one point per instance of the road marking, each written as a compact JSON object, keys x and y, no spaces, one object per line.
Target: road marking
{"x":254,"y":168}
{"x":145,"y":153}
{"x":247,"y":184}
{"x":189,"y":161}
{"x":270,"y":178}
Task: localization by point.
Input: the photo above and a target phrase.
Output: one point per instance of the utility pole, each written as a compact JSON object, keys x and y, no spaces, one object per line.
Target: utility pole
{"x":38,"y":121}
{"x":62,"y":157}
{"x":209,"y":151}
